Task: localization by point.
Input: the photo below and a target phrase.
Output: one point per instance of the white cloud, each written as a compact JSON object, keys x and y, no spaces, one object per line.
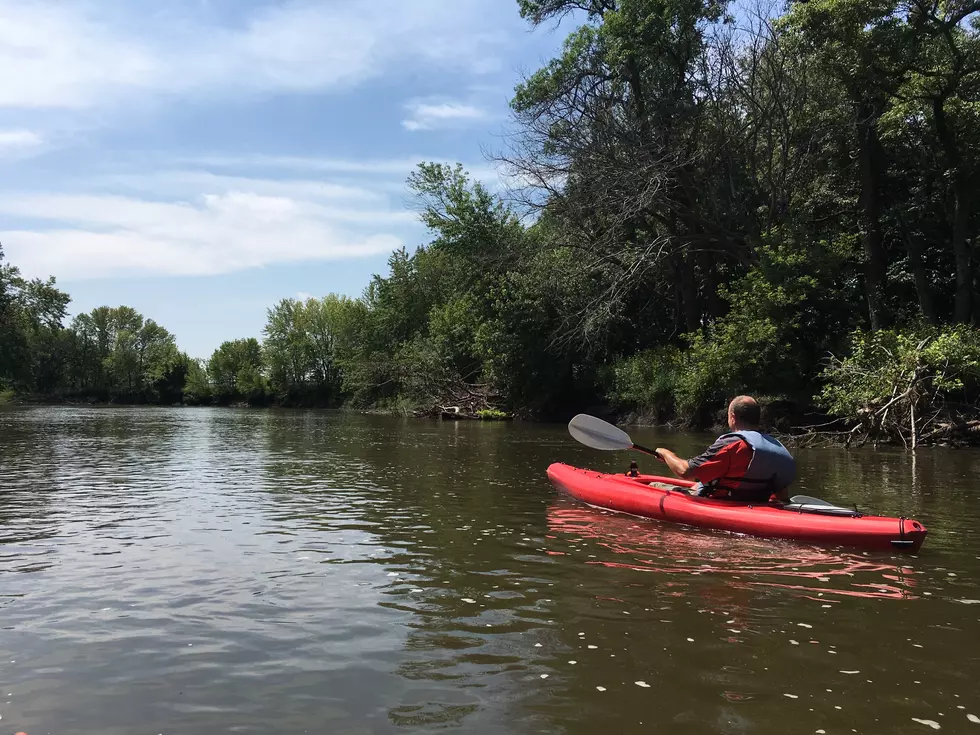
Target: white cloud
{"x":181,"y":183}
{"x":10,"y":139}
{"x":62,"y":58}
{"x":400,"y":167}
{"x":103,"y":235}
{"x":386,"y":174}
{"x":429,"y":115}
{"x":75,"y":55}
{"x":213,"y":215}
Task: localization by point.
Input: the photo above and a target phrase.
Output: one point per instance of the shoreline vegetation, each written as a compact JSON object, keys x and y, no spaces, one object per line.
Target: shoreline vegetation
{"x":710,"y":200}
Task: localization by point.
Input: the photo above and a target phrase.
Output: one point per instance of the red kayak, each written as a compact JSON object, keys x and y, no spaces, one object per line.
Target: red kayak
{"x":818,"y":522}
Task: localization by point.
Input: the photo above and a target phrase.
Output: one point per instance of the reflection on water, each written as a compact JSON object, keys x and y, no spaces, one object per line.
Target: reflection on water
{"x":686,"y":552}
{"x":200,"y":571}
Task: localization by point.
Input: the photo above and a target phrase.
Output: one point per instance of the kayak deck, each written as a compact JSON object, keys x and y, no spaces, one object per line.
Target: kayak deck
{"x":636,"y":496}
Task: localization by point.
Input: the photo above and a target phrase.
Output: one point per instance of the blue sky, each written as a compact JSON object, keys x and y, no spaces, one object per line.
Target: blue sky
{"x":201,"y":159}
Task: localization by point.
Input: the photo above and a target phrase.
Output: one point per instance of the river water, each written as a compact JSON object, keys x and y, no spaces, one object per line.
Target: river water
{"x":199,"y":571}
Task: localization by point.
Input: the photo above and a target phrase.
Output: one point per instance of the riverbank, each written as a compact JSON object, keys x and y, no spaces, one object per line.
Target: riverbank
{"x":448,"y":413}
{"x":795,"y":424}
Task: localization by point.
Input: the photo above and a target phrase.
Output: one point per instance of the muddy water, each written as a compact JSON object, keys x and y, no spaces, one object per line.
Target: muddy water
{"x":200,"y":571}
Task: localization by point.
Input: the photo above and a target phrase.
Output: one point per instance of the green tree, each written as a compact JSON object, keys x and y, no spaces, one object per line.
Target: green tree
{"x":32,"y":345}
{"x":236,"y":372}
{"x":115,"y":354}
{"x":861,"y":45}
{"x":197,"y":387}
{"x":288,"y":350}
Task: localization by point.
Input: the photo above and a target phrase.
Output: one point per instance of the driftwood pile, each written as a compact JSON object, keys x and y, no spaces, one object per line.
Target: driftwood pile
{"x":464,"y":401}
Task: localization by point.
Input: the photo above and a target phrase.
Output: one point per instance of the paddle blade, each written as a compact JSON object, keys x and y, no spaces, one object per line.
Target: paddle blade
{"x":809,"y":500}
{"x":598,"y":434}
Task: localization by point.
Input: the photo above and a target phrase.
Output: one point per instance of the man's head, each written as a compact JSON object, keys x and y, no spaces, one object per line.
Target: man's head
{"x":744,"y":413}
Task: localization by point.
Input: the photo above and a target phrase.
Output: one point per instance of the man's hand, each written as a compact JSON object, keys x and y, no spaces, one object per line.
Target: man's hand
{"x":678,"y":466}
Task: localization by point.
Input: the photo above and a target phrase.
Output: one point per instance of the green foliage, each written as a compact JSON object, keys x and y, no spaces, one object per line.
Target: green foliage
{"x":910,"y":385}
{"x":109,"y":354}
{"x":318,"y":351}
{"x":941,"y":363}
{"x":788,"y":310}
{"x":529,"y":350}
{"x":468,"y":220}
{"x":722,"y":360}
{"x":235,"y":373}
{"x":648,"y":380}
{"x":197,"y":386}
{"x":491,"y":414}
{"x":31,"y":344}
{"x":117,"y":355}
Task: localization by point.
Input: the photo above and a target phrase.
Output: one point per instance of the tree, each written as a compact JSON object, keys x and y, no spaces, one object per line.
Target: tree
{"x":236,"y":372}
{"x":115,"y":354}
{"x":31,"y":341}
{"x":621,"y":135}
{"x":13,"y":342}
{"x":945,"y":84}
{"x":197,"y":388}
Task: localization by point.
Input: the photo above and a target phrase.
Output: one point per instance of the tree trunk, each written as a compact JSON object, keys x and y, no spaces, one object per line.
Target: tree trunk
{"x":639,"y":101}
{"x":874,"y":249}
{"x":676,"y":267}
{"x":714,"y":307}
{"x":921,"y":281}
{"x":689,"y":294}
{"x":963,"y":310}
{"x":922,"y":287}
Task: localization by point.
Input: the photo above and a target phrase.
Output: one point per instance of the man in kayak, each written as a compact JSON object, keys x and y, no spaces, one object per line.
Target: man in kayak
{"x":744,"y":464}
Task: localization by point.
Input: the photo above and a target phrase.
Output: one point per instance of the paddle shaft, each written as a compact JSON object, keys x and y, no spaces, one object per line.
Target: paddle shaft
{"x":651,"y":452}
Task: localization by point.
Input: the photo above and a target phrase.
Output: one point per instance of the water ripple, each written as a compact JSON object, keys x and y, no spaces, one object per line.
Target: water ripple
{"x":194,"y":571}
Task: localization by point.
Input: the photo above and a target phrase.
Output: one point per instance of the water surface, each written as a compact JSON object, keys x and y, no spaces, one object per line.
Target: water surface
{"x":198,"y":571}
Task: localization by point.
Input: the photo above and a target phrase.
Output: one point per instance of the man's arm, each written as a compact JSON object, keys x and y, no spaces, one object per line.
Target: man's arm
{"x":704,"y":468}
{"x":680,"y":467}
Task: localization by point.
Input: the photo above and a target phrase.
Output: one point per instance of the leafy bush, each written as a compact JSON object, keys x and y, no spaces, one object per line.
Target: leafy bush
{"x":786,"y":311}
{"x":733,"y":356}
{"x":491,"y":414}
{"x":900,"y":381}
{"x":648,"y":380}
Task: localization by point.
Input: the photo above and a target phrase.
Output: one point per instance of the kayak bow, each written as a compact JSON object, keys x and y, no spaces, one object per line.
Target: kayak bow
{"x":817,"y":523}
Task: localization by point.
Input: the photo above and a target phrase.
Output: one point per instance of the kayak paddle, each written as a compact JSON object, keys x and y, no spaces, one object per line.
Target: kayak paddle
{"x":599,"y":434}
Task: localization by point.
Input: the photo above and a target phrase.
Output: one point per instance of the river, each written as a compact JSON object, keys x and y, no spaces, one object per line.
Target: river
{"x":198,"y":571}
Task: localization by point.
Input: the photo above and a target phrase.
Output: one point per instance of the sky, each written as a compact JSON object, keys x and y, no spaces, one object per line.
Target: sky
{"x":200,"y":160}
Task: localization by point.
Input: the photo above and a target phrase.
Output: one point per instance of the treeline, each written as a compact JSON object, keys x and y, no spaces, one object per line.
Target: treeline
{"x":714,"y":199}
{"x":116,"y":355}
{"x":300,"y":362}
{"x":111,"y":354}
